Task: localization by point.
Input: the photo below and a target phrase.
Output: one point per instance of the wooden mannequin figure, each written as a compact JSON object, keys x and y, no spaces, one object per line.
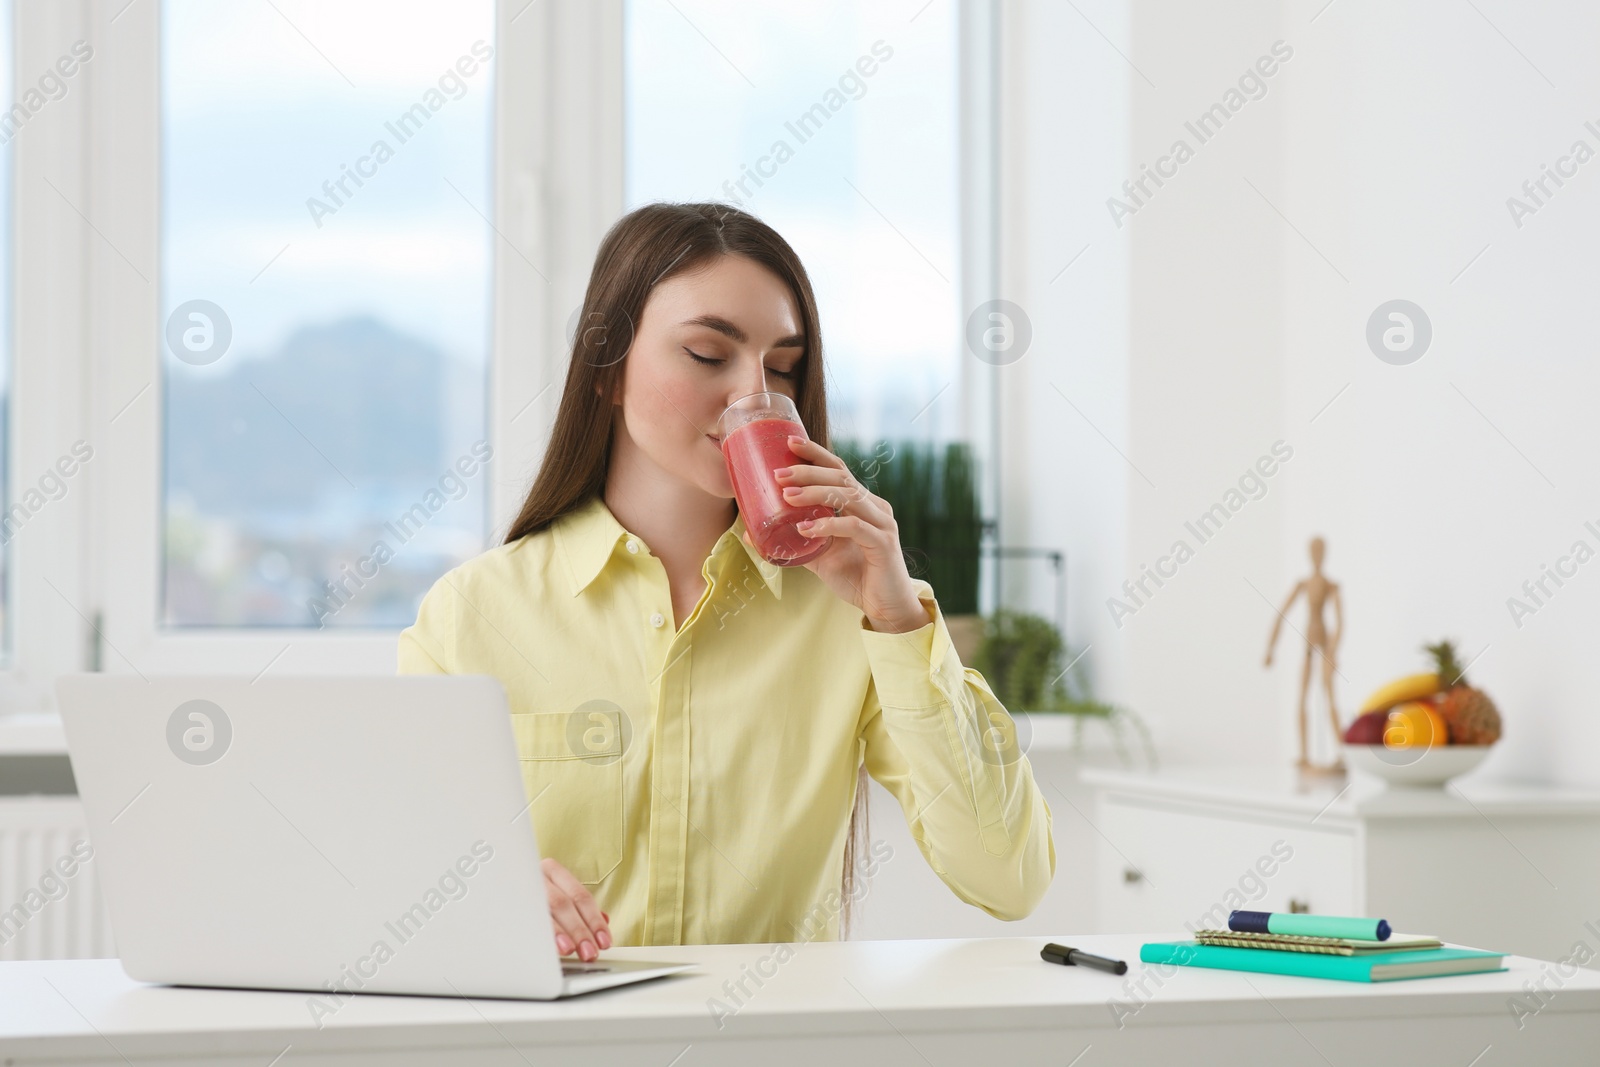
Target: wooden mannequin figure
{"x":1318,"y":591}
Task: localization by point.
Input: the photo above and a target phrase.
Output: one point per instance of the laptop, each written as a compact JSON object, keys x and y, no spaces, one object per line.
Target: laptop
{"x":336,"y":835}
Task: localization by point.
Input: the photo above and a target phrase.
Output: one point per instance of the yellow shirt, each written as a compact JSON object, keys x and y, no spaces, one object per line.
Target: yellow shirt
{"x":699,"y":782}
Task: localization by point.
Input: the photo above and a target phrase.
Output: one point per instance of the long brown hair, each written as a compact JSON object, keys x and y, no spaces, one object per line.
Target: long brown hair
{"x":642,"y":249}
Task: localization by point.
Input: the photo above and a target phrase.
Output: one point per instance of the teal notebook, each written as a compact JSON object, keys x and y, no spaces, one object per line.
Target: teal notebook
{"x":1371,"y":967}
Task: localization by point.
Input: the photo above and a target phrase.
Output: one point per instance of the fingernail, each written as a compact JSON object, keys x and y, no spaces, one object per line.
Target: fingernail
{"x":806,"y":524}
{"x":791,"y":490}
{"x":604,"y":939}
{"x":586,"y":950}
{"x":564,"y":943}
{"x":782,"y":472}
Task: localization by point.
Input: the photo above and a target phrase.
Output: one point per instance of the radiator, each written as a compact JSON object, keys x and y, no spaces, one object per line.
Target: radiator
{"x":50,"y":902}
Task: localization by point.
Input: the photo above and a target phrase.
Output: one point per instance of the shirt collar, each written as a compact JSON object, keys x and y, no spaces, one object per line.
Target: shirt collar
{"x":587,"y":536}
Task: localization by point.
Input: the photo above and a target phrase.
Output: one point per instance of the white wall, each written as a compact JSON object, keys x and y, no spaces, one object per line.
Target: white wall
{"x":1232,"y":307}
{"x":1206,"y":380}
{"x":1443,"y":485}
{"x":1165,"y":338}
{"x":1063,"y":136}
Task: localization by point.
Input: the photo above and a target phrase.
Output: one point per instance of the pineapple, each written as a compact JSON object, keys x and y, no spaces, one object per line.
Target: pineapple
{"x":1469,"y":713}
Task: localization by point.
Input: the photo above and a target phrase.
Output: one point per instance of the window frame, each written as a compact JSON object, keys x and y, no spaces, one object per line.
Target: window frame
{"x":51,"y":602}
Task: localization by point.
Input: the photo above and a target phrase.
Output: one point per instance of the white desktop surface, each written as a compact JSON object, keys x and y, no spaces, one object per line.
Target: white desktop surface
{"x":886,"y":1002}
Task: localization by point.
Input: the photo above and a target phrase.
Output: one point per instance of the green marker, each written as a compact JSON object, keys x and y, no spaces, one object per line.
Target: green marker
{"x":1277,"y":922}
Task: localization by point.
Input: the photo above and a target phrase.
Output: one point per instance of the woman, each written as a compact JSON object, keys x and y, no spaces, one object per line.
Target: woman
{"x":704,"y":782}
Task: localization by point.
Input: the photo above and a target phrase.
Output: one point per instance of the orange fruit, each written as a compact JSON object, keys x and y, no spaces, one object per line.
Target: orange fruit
{"x":1415,"y":724}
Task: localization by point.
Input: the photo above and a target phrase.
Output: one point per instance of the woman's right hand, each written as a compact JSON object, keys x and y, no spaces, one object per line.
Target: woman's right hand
{"x":580,"y":926}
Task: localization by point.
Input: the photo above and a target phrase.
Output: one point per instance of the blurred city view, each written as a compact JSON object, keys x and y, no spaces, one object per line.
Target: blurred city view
{"x":284,"y":472}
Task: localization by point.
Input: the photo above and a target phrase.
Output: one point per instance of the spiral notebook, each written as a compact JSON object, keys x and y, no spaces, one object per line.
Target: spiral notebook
{"x":1365,"y":967}
{"x":1329,"y":946}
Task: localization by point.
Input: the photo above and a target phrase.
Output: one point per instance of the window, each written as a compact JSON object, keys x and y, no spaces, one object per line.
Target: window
{"x":837,"y":123}
{"x":325,"y":282}
{"x":291,"y":349}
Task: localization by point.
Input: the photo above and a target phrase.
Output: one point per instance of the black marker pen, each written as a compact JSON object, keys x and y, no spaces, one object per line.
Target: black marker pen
{"x":1069,"y":957}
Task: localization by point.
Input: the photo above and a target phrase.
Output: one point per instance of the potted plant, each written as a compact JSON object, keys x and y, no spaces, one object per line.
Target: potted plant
{"x":1025,"y":660}
{"x":934,"y":493}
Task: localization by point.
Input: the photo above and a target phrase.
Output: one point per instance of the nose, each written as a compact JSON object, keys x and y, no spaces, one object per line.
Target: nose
{"x":752,"y":380}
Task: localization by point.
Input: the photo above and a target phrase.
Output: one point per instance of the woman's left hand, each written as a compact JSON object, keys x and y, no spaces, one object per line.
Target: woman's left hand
{"x":864,"y":565}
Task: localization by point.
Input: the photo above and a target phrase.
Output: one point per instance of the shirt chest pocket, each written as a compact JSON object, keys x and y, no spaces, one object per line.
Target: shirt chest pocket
{"x":572,"y":773}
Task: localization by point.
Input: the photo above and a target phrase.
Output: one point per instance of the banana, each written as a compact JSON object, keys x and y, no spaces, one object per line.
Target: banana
{"x":1411,"y":687}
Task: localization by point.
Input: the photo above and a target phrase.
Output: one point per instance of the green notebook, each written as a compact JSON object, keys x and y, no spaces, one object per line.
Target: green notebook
{"x":1370,"y":967}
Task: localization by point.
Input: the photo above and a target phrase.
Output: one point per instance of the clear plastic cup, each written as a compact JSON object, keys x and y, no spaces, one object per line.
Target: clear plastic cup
{"x":754,"y":431}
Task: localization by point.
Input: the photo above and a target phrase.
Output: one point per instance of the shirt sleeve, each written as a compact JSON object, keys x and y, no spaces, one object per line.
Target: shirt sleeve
{"x":946,"y":748}
{"x":427,"y":646}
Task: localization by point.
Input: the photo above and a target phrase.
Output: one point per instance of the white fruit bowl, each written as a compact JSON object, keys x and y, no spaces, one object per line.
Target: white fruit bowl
{"x":1416,"y":768}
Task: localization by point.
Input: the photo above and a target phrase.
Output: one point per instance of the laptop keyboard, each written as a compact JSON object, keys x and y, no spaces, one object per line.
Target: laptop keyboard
{"x":584,"y":968}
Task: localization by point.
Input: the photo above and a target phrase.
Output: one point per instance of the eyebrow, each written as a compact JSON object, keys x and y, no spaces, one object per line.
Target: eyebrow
{"x":728,"y":329}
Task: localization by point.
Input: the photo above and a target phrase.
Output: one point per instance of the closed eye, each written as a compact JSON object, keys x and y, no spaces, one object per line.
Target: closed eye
{"x":707,"y":361}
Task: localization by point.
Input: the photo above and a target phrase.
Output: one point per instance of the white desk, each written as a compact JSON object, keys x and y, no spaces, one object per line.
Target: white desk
{"x":956,"y":1002}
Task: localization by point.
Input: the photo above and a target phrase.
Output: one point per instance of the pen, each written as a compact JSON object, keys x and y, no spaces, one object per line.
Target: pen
{"x":1068,"y":957}
{"x":1277,"y":922}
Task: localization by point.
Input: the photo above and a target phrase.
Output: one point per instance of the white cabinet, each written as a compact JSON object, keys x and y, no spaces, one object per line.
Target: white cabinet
{"x":1511,"y":868}
{"x":1163,"y":868}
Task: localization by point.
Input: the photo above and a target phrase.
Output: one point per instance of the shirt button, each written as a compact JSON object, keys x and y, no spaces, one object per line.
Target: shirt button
{"x":657,"y":619}
{"x":633,"y":546}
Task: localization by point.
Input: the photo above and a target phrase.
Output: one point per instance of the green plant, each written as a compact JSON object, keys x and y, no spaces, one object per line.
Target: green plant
{"x":934,"y":493}
{"x":1023,"y":658}
{"x":1025,"y":661}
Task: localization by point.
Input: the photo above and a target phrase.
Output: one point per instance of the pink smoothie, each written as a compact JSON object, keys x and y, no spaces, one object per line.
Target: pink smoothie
{"x":753,"y":452}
